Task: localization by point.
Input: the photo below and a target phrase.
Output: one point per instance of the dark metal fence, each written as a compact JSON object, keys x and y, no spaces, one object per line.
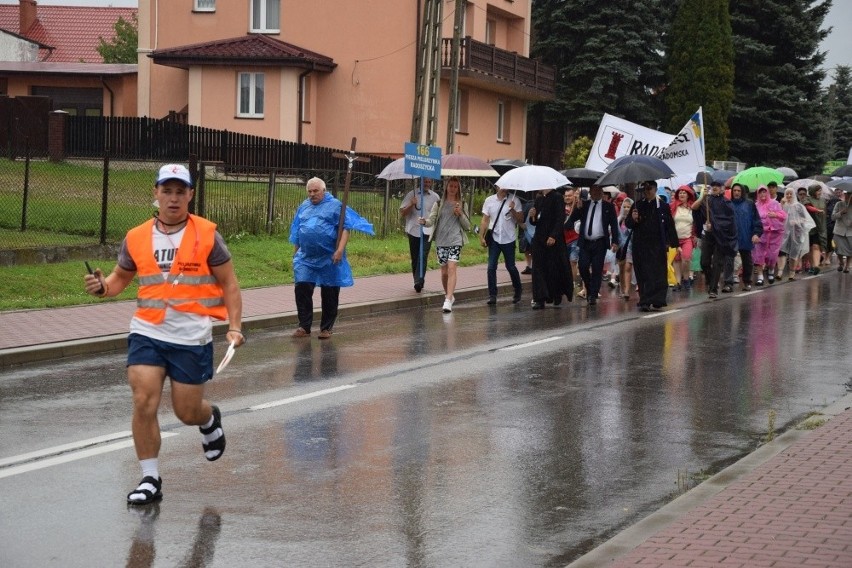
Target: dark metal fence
{"x":60,"y":207}
{"x":142,"y":138}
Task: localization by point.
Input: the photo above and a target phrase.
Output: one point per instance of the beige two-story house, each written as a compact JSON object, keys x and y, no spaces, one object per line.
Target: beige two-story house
{"x":324,"y":71}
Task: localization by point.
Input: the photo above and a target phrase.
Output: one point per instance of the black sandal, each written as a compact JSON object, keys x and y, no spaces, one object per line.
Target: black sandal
{"x":217,"y":445}
{"x":149,"y":488}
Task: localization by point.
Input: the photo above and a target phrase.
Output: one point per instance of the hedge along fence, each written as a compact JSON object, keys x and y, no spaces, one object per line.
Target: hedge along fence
{"x":84,"y":203}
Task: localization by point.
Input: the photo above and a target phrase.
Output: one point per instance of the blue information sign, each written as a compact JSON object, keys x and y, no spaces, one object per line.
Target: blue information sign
{"x":422,"y":160}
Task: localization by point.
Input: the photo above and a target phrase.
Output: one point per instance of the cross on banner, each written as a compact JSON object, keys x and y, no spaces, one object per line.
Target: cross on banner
{"x":352,"y":158}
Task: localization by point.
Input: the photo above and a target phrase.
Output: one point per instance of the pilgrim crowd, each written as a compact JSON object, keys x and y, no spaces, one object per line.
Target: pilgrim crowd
{"x":577,"y":240}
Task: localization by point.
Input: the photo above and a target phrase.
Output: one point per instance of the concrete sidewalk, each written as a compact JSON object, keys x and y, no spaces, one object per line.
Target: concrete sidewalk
{"x":788,"y":504}
{"x":38,"y":335}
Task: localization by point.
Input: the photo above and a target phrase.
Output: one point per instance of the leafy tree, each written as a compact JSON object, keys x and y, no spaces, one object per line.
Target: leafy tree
{"x":701,"y":71}
{"x":122,"y":47}
{"x":774,"y":119}
{"x":577,"y":153}
{"x":608,"y":56}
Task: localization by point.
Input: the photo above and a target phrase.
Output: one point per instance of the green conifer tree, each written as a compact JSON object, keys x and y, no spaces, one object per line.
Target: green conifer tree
{"x":701,"y":71}
{"x":609,"y":59}
{"x":841,"y":114}
{"x":775,"y":119}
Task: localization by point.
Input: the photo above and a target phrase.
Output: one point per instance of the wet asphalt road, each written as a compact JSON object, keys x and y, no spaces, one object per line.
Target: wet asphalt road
{"x":488,"y":437}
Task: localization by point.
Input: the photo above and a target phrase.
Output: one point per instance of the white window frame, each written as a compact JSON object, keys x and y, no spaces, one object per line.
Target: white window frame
{"x":260,"y":8}
{"x":204,"y":6}
{"x":253,"y":110}
{"x":460,"y":120}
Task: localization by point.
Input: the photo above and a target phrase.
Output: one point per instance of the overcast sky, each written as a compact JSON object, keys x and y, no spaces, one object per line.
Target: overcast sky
{"x":838,"y":44}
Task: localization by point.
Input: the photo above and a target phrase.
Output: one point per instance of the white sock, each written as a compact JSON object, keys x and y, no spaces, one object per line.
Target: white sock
{"x":150,"y":468}
{"x":212,"y":436}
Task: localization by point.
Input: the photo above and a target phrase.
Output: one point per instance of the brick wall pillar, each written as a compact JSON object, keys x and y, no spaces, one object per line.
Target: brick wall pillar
{"x":56,"y":124}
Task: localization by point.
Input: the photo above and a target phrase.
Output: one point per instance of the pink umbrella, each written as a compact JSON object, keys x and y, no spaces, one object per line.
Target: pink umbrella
{"x":462,"y":165}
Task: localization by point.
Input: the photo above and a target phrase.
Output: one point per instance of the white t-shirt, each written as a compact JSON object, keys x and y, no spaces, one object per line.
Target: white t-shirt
{"x":183,"y":328}
{"x":412,"y":227}
{"x":504,"y":229}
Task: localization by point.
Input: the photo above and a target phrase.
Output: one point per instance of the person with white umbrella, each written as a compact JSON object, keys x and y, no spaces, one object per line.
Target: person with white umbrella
{"x":501,"y":214}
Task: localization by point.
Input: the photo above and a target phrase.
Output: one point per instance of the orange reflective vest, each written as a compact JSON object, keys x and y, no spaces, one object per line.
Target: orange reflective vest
{"x":190,"y":286}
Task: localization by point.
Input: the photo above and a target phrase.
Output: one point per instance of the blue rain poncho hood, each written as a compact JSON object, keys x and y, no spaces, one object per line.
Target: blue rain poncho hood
{"x":314,"y":231}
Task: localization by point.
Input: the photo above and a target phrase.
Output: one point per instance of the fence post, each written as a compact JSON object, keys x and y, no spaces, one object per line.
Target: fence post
{"x":385,"y":209}
{"x":201,"y":191}
{"x":104,"y":199}
{"x":56,"y":126}
{"x":193,"y":171}
{"x":25,"y":204}
{"x":270,"y":202}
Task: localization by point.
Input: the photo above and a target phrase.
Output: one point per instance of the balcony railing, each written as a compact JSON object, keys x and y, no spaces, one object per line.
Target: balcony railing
{"x":501,"y":70}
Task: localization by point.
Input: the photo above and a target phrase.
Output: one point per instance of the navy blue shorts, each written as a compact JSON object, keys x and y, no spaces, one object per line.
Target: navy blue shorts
{"x":187,"y":364}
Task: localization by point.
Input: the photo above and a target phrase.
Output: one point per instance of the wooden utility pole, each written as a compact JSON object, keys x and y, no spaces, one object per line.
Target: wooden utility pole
{"x":351,"y":158}
{"x":455,"y":56}
{"x":424,"y":123}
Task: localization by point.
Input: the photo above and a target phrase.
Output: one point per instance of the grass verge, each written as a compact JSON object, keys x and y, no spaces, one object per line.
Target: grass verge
{"x":259,"y":261}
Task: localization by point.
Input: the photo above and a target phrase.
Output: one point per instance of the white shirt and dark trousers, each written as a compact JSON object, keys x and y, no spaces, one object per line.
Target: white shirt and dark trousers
{"x":598,"y":231}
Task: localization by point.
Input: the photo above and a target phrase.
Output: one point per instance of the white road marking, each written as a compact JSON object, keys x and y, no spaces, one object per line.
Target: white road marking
{"x":748,"y":293}
{"x":531,"y":343}
{"x":658,"y":314}
{"x":301,"y":397}
{"x":64,"y":448}
{"x":65,"y":458}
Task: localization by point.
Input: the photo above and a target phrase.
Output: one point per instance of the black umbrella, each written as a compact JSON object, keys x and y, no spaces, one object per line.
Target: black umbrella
{"x":704,"y":178}
{"x":582,"y":176}
{"x":843,"y":171}
{"x":634,"y":169}
{"x":503,"y":165}
{"x":723,"y":175}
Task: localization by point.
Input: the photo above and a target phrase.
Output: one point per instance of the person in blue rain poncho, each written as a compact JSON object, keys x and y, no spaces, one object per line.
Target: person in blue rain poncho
{"x":319,"y":259}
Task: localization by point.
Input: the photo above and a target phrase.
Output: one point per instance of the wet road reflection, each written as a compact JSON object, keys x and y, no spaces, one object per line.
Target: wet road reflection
{"x":455,"y":445}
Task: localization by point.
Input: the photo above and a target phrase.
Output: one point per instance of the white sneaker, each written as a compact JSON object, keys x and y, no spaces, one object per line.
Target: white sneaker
{"x":448,"y":306}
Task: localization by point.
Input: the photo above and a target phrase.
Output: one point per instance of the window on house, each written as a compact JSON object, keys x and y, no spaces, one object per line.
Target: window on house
{"x":250,"y":95}
{"x":461,"y":111}
{"x":205,"y":6}
{"x":503,"y":120}
{"x":491,"y":31}
{"x":265,"y":16}
{"x":305,"y":89}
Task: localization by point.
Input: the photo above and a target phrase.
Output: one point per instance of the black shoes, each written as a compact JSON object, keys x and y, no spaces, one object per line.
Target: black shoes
{"x":418,"y":286}
{"x":516,"y":298}
{"x":727,"y":289}
{"x":491,"y":300}
{"x":526,"y":270}
{"x":537,"y":305}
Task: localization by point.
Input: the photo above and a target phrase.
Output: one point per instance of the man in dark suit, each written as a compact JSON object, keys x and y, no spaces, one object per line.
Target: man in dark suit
{"x":598,"y":233}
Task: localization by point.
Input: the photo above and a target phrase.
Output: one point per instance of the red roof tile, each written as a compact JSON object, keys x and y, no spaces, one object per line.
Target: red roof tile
{"x":72,"y":31}
{"x":252,"y":49}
